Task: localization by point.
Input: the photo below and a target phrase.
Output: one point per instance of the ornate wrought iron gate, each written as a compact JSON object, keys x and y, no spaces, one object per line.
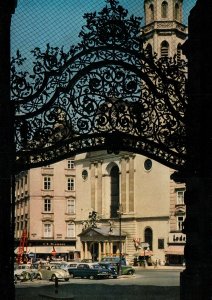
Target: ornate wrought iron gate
{"x":106,"y":92}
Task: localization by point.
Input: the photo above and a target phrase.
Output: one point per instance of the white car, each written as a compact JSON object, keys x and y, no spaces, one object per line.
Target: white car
{"x":51,"y":272}
{"x":26,"y":272}
{"x":66,"y":265}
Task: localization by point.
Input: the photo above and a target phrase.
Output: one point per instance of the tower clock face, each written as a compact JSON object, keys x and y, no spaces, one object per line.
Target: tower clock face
{"x":148,"y":164}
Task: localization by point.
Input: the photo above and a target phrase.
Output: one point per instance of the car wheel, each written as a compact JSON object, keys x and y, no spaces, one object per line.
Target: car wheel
{"x":91,"y":277}
{"x":66,"y":279}
{"x":71,"y":275}
{"x":130,"y":272}
{"x":114,"y":277}
{"x":38,"y":277}
{"x":53,"y":278}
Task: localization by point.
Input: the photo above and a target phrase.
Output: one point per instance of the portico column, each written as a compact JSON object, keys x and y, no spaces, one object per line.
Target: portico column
{"x":86,"y":250}
{"x":104,"y":248}
{"x":99,"y":251}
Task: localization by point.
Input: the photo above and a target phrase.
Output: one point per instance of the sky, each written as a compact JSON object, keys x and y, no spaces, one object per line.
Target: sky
{"x":58,"y":22}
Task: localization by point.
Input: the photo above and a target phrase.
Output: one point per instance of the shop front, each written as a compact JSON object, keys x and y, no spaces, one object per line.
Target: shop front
{"x":174,"y":255}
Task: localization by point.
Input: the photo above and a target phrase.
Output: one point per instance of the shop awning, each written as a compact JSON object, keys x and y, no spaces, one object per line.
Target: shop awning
{"x":175,"y":250}
{"x":48,"y":250}
{"x":144,"y":253}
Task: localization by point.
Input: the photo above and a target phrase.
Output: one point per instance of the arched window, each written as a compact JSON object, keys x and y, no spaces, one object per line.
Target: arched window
{"x":164,"y":9}
{"x":164,"y":49}
{"x":179,"y":52}
{"x":114,"y":174}
{"x":151,"y":12}
{"x":177,"y":12}
{"x":149,"y":49}
{"x":148,"y":237}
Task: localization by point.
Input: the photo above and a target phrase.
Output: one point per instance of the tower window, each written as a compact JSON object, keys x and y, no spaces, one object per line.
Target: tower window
{"x":177,"y":12}
{"x":164,"y":9}
{"x":179,"y":52}
{"x":164,"y":49}
{"x":151,"y":12}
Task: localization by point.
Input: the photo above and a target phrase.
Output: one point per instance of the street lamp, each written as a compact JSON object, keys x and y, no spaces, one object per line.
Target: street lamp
{"x":119,"y":212}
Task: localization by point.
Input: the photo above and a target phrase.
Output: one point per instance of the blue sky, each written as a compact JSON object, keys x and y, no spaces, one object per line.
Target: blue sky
{"x":58,"y":22}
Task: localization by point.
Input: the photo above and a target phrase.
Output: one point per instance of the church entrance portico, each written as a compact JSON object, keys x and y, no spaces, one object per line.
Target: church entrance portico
{"x":100,"y":242}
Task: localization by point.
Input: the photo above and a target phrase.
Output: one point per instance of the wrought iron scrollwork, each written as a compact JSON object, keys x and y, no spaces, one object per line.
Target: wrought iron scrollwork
{"x":105,"y":92}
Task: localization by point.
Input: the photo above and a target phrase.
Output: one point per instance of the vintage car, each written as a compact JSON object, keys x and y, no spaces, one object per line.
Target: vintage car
{"x":111,"y":268}
{"x":65,"y":265}
{"x":115,"y":261}
{"x":89,"y":270}
{"x":51,"y":272}
{"x":18,"y":275}
{"x":26,"y":272}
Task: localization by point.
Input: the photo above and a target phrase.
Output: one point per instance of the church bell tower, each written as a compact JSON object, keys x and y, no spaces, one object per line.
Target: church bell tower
{"x":164,"y":30}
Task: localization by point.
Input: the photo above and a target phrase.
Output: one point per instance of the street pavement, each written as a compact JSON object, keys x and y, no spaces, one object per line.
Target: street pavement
{"x":123,"y":288}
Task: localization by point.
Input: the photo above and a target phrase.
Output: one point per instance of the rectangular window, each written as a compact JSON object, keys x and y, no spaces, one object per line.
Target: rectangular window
{"x":70,"y":184}
{"x":47,"y":183}
{"x":47,"y":205}
{"x":71,"y":206}
{"x":160,"y":243}
{"x":180,"y":221}
{"x":48,"y":230}
{"x":71,"y":230}
{"x":180,"y":197}
{"x":70,"y":164}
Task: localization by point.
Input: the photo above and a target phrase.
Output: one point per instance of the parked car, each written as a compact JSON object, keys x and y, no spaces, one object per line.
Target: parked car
{"x":18,"y":274}
{"x":115,"y":261}
{"x":89,"y":270}
{"x":52,"y":272}
{"x":110,"y":267}
{"x":27,"y":272}
{"x":66,"y":265}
